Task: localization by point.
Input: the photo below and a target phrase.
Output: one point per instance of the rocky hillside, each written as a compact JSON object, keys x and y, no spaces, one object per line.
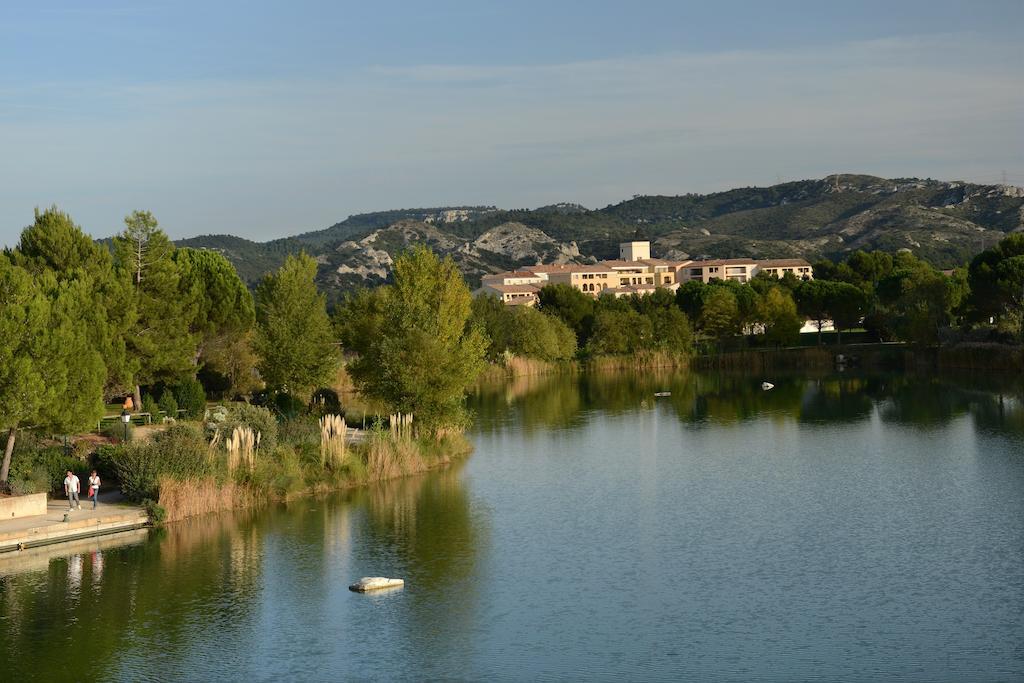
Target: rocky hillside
{"x":943,"y":222}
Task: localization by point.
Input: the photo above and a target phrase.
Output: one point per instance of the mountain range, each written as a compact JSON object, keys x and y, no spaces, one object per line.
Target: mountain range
{"x":942,"y":222}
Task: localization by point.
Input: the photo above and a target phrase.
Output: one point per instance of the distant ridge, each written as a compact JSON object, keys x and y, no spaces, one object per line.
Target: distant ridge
{"x":943,"y":222}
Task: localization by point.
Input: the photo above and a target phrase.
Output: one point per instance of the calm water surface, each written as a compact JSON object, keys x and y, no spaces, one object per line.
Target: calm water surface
{"x":837,"y":528}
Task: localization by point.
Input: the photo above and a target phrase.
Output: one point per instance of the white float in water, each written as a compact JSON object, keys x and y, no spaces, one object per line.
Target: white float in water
{"x":662,"y":393}
{"x":767,"y":386}
{"x":374,"y":583}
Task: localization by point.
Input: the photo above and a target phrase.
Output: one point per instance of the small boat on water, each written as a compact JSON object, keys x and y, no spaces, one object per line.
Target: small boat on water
{"x":374,"y":583}
{"x":662,"y":393}
{"x":767,"y":386}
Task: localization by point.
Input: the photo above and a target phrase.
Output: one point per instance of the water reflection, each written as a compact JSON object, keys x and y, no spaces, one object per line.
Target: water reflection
{"x":197,"y":591}
{"x":568,"y":401}
{"x":717,"y":500}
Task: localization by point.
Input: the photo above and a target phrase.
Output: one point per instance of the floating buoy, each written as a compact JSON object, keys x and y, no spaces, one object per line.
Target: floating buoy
{"x":767,"y":386}
{"x":662,"y":393}
{"x":374,"y":583}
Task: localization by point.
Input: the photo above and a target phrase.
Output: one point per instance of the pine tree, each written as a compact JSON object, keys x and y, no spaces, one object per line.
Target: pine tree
{"x":223,"y":318}
{"x":294,"y":337}
{"x":24,"y":315}
{"x":161,"y":344}
{"x":54,"y":243}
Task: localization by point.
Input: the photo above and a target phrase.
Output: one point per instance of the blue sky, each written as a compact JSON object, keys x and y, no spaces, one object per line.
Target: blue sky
{"x":263,"y":119}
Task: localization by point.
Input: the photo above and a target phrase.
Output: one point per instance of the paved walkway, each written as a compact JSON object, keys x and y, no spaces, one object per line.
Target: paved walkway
{"x":112,"y":514}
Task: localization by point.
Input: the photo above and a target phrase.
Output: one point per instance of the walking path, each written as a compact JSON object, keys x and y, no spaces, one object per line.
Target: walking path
{"x":59,"y":525}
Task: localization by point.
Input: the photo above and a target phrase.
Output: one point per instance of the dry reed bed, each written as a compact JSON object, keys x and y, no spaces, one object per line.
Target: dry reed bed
{"x":383,"y":455}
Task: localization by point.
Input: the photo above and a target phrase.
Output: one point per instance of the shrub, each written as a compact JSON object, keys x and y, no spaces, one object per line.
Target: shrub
{"x":44,"y":470}
{"x":180,"y":452}
{"x":191,"y":398}
{"x":300,"y":430}
{"x":103,"y":461}
{"x":35,"y":481}
{"x":168,"y":403}
{"x":116,"y":431}
{"x":157,"y":513}
{"x":256,"y":418}
{"x":326,"y":402}
{"x":149,"y":405}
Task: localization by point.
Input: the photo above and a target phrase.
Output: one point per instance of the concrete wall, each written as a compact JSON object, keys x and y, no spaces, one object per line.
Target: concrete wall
{"x":12,"y":507}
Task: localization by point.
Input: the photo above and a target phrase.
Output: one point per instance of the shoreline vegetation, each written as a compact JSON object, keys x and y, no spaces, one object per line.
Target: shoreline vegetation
{"x":256,"y":374}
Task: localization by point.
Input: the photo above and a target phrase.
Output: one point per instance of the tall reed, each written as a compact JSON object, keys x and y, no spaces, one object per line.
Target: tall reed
{"x":241,"y":447}
{"x":332,"y":441}
{"x":401,"y":426}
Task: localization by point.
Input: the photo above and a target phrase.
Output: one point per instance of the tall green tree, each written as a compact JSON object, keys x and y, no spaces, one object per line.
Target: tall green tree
{"x":223,"y":316}
{"x":777,"y":312}
{"x":720,"y":317}
{"x":54,"y":243}
{"x":161,"y":344}
{"x":812,"y":301}
{"x":72,"y":362}
{"x":917,"y":300}
{"x":24,"y":316}
{"x":847,"y":305}
{"x":996,"y":278}
{"x":575,"y":308}
{"x":620,"y":332}
{"x":294,"y":335}
{"x":424,"y":355}
{"x":690,"y":298}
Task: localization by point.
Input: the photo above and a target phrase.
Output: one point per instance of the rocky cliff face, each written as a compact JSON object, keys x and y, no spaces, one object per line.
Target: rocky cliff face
{"x":943,"y":222}
{"x":368,"y":261}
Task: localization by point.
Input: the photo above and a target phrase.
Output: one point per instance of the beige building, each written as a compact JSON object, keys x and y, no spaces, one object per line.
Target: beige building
{"x":512,"y":295}
{"x":743,"y":270}
{"x":779,"y":267}
{"x":635,"y":272}
{"x":635,"y":251}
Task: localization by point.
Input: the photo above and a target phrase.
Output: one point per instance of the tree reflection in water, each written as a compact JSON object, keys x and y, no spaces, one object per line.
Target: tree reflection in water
{"x":568,"y":401}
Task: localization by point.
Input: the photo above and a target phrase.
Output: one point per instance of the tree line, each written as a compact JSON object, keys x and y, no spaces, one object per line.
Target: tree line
{"x":888,"y":296}
{"x":83,"y":321}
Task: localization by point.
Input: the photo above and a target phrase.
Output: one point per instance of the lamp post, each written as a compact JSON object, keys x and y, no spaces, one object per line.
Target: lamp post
{"x":125,"y":418}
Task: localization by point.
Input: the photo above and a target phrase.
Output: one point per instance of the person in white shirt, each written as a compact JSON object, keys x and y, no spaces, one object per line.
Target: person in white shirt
{"x":72,"y":487}
{"x":94,"y":488}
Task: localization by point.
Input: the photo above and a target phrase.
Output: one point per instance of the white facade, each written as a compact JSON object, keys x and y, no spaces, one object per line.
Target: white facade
{"x":635,"y":251}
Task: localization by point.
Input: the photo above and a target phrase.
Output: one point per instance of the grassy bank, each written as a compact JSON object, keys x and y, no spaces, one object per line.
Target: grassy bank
{"x":868,"y":356}
{"x":516,"y":366}
{"x":381,"y":457}
{"x":642,"y":360}
{"x":244,"y":458}
{"x":978,"y":356}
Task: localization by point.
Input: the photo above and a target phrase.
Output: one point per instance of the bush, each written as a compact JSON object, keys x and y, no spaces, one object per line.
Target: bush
{"x":326,"y":402}
{"x":35,"y":481}
{"x":191,"y":398}
{"x":149,"y":405}
{"x":116,"y":431}
{"x":157,"y":514}
{"x":180,"y":452}
{"x":44,"y":470}
{"x":300,"y":430}
{"x":168,"y":403}
{"x":258,"y":419}
{"x":288,"y":406}
{"x":103,"y":461}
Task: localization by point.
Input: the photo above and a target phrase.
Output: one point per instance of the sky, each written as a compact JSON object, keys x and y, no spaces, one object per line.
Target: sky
{"x":265,"y":119}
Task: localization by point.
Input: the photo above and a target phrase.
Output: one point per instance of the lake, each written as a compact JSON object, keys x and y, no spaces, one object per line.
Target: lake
{"x":841,"y":527}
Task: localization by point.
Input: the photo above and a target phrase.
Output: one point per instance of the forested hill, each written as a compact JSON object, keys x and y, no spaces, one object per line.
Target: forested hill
{"x":942,"y":222}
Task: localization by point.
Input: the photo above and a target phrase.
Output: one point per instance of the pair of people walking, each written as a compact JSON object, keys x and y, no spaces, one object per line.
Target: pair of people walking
{"x":72,"y":487}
